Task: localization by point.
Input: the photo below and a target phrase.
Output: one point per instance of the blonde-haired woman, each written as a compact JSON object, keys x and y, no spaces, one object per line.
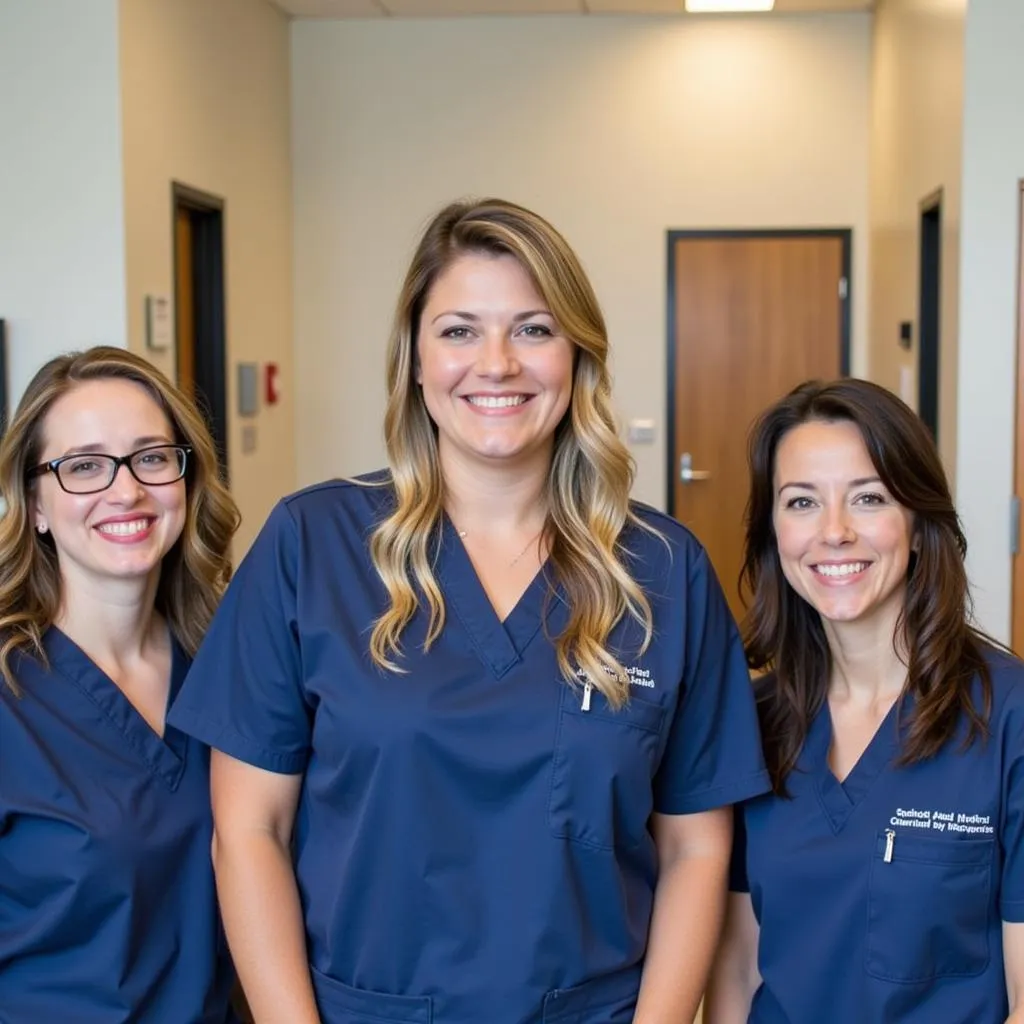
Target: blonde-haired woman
{"x":477,"y":719}
{"x":113,"y":554}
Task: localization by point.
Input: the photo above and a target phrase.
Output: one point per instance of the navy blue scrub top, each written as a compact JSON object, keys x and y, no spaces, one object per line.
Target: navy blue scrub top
{"x":470,"y":843}
{"x":881,"y":899}
{"x":107,"y":906}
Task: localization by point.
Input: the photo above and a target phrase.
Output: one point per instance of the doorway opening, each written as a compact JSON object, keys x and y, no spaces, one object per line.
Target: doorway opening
{"x":929,"y":312}
{"x":199,"y":308}
{"x":1017,"y":580}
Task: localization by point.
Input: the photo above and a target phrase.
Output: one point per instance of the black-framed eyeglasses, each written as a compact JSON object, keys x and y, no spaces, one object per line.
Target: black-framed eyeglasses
{"x":92,"y":472}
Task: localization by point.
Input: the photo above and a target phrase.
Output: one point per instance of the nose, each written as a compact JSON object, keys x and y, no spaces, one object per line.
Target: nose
{"x":836,"y":527}
{"x":124,"y":488}
{"x":496,"y":356}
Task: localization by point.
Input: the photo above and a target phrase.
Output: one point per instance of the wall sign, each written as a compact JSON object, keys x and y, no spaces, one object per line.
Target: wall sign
{"x":158,"y":322}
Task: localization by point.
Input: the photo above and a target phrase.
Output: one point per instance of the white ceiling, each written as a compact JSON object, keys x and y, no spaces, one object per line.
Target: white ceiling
{"x":442,"y":8}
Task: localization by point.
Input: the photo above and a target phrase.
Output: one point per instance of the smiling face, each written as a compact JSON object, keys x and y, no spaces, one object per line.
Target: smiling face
{"x":844,"y":543}
{"x":123,"y":532}
{"x":495,"y":370}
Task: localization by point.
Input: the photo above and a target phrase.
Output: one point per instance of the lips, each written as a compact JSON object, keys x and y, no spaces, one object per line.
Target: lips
{"x":497,"y":401}
{"x":839,"y":570}
{"x":125,"y":528}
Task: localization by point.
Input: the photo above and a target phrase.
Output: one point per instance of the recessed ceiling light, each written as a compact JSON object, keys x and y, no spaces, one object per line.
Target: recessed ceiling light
{"x":728,"y":6}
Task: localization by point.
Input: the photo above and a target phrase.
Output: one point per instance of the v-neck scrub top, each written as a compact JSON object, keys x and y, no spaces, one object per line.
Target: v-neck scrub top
{"x":471,"y":843}
{"x":108,"y":913}
{"x":881,"y":898}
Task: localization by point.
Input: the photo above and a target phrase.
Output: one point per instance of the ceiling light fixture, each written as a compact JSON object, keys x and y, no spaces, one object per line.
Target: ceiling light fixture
{"x":728,"y":6}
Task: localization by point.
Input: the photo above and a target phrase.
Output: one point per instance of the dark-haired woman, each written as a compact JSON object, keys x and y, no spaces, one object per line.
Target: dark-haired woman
{"x":883,"y":879}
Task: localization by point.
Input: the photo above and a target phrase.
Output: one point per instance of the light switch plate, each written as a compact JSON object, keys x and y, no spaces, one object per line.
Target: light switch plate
{"x":248,"y":389}
{"x":641,"y":432}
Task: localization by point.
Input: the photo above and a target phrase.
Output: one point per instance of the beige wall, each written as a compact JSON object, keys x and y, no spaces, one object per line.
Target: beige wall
{"x":61,"y":220}
{"x":205,"y":95}
{"x":617,"y":129}
{"x":916,"y":137}
{"x":992,"y":169}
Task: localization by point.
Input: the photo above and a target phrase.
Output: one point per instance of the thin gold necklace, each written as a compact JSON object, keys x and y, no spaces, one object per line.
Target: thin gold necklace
{"x":463,"y":533}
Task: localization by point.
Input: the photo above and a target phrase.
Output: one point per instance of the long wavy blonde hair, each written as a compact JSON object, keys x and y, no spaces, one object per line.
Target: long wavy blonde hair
{"x":196,"y":569}
{"x":591,"y":470}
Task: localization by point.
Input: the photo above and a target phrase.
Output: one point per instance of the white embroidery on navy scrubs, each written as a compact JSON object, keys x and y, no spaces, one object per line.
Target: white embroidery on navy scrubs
{"x":943,"y":820}
{"x":640,"y":677}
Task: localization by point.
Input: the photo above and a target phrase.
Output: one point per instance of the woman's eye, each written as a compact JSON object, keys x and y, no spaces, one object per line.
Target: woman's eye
{"x":83,"y":466}
{"x":536,"y":331}
{"x":799,"y":504}
{"x":154,"y":458}
{"x":455,"y":333}
{"x":871,"y":499}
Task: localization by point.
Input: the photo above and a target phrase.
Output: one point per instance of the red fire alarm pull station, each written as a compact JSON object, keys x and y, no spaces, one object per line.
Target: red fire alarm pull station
{"x":272,"y":389}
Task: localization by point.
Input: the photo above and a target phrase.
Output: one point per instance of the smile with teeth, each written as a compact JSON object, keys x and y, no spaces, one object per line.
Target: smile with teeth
{"x":844,"y":569}
{"x":496,"y":401}
{"x":125,"y":529}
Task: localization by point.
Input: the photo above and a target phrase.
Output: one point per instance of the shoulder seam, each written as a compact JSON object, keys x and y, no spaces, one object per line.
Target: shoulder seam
{"x":337,"y":484}
{"x":642,"y":510}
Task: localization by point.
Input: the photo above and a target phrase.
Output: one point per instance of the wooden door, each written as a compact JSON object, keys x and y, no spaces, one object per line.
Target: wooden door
{"x":1017,"y":632}
{"x":184,"y":300}
{"x":752,"y":316}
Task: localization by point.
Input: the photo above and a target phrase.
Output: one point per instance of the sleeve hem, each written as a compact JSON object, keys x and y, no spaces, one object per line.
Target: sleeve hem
{"x":1012,"y":911}
{"x":715,"y":796}
{"x":226,"y":740}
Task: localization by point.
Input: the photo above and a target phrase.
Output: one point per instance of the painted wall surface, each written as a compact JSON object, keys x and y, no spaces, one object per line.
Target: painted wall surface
{"x":616,"y":129}
{"x":61,"y":191}
{"x":206,"y":103}
{"x":916,"y":150}
{"x":993,"y":167}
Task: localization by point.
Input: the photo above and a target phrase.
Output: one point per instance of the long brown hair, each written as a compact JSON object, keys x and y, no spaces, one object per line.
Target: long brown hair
{"x":195,"y":570}
{"x":591,"y":472}
{"x":783,"y":634}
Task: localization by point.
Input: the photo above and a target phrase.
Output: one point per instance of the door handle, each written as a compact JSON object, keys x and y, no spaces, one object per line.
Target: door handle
{"x":689,"y":475}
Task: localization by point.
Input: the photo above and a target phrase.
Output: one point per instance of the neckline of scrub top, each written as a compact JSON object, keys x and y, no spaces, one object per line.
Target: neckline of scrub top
{"x":163,"y":755}
{"x":499,"y":644}
{"x":840,"y":799}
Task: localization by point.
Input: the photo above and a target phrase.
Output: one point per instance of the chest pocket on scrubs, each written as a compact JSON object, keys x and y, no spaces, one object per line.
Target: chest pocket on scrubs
{"x":928,"y":907}
{"x":342,"y":1004}
{"x":603,"y":767}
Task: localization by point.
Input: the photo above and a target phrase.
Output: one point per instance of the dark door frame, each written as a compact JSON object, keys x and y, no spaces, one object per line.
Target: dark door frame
{"x":4,"y":390}
{"x":929,"y":309}
{"x":207,"y":215}
{"x":1017,"y":492}
{"x":845,"y":235}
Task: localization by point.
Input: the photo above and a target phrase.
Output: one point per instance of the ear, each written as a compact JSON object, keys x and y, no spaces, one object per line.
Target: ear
{"x":36,"y":515}
{"x":915,"y":554}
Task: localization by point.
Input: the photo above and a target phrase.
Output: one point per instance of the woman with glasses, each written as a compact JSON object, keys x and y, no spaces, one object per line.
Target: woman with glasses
{"x":478,"y":720}
{"x":113,"y":555}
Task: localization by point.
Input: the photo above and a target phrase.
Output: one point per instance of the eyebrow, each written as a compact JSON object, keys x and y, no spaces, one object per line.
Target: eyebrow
{"x":101,"y":449}
{"x":473,"y":318}
{"x":859,"y":482}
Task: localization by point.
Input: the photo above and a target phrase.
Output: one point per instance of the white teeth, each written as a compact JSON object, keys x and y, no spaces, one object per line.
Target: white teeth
{"x":124,"y":529}
{"x":496,"y":401}
{"x":847,"y":569}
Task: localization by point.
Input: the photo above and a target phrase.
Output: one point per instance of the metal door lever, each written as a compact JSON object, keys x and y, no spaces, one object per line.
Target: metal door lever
{"x":687,"y":474}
